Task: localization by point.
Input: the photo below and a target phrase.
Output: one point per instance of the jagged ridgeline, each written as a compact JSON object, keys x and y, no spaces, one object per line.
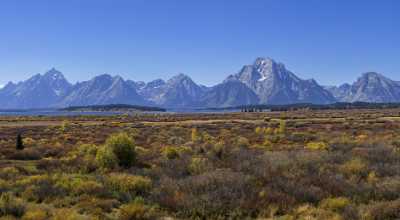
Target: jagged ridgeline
{"x":263,"y":82}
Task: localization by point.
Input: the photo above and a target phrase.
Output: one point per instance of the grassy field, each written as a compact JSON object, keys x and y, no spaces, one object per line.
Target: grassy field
{"x":327,"y":164}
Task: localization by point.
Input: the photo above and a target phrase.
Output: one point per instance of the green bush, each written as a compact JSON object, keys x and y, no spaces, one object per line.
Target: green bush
{"x":171,"y":153}
{"x":106,"y":159}
{"x":84,"y":150}
{"x":199,"y":165}
{"x":124,"y":149}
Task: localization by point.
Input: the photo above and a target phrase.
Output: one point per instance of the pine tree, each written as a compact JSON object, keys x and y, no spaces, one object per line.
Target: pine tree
{"x":20,"y":142}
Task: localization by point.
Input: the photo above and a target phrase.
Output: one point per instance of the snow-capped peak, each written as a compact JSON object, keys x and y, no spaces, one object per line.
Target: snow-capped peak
{"x":54,"y":74}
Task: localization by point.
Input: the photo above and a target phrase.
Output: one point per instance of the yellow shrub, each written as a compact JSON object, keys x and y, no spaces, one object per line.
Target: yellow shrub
{"x":355,"y":166}
{"x":195,"y":136}
{"x":171,"y":153}
{"x":67,"y":214}
{"x":36,"y":214}
{"x":311,"y":213}
{"x":335,"y":204}
{"x":89,"y":187}
{"x":198,"y":165}
{"x":34,"y":180}
{"x":11,"y":206}
{"x":362,"y":137}
{"x":242,"y":142}
{"x":106,"y":159}
{"x":282,"y":126}
{"x":207,"y":138}
{"x":259,"y":130}
{"x":269,"y":131}
{"x":372,"y":178}
{"x":87,"y":149}
{"x":9,"y":172}
{"x":136,"y":210}
{"x":317,"y":146}
{"x":29,"y":141}
{"x":126,"y":183}
{"x":268,"y":145}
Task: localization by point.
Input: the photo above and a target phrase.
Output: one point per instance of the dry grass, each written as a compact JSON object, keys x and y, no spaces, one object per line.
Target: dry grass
{"x":288,"y":165}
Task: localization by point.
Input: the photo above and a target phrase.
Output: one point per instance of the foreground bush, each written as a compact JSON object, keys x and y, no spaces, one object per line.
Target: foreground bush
{"x":124,"y":149}
{"x":106,"y":159}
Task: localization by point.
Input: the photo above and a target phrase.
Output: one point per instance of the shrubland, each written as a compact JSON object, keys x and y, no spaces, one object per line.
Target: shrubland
{"x":308,"y":165}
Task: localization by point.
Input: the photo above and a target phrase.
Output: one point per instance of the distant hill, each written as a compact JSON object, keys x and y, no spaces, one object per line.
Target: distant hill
{"x":310,"y":106}
{"x":113,"y":108}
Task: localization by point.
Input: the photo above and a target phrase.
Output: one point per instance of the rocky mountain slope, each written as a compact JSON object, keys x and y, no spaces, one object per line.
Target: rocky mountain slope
{"x":229,"y":93}
{"x":103,"y":89}
{"x":40,"y":91}
{"x":274,"y":84}
{"x":370,"y":87}
{"x":179,"y":91}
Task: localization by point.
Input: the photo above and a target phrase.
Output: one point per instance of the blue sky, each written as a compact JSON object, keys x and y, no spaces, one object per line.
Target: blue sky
{"x":332,"y":41}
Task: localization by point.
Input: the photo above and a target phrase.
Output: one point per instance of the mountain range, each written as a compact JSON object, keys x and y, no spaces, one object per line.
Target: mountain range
{"x":263,"y":82}
{"x":370,"y":87}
